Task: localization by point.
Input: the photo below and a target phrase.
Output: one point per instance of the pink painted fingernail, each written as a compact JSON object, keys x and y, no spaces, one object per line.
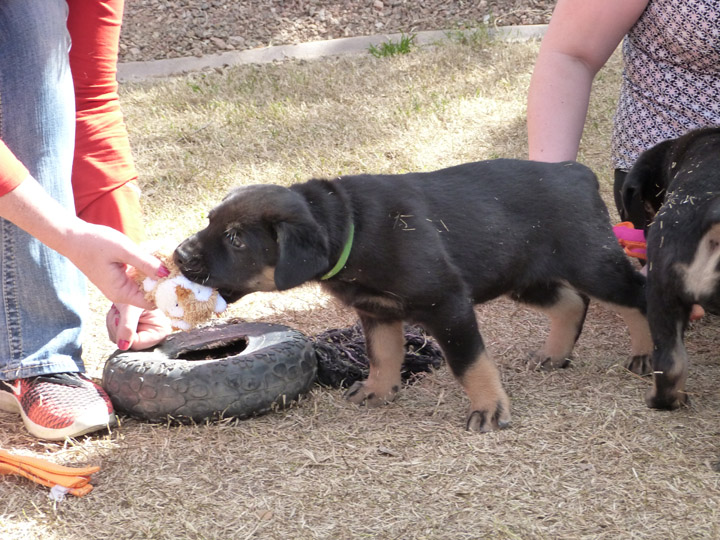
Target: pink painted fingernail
{"x":123,"y":345}
{"x":117,"y":321}
{"x":163,"y":272}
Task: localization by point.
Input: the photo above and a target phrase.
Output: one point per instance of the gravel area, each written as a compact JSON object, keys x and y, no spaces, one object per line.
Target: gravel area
{"x":158,"y":29}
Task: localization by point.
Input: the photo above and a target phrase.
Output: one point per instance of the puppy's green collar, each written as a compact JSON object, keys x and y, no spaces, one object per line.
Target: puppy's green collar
{"x":344,"y":255}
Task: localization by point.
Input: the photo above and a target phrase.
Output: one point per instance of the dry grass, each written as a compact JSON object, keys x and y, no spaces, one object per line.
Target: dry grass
{"x":584,"y":458}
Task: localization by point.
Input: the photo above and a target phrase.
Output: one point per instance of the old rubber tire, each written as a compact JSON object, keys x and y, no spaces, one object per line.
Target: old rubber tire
{"x":232,"y":369}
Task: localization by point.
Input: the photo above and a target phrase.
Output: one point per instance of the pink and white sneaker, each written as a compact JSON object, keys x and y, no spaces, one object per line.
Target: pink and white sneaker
{"x":58,"y":405}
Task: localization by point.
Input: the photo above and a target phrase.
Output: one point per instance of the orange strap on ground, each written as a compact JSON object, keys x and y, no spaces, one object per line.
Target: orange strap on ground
{"x":75,"y":479}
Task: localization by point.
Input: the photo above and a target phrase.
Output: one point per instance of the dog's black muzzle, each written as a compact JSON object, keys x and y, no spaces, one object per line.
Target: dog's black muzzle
{"x":188,"y":259}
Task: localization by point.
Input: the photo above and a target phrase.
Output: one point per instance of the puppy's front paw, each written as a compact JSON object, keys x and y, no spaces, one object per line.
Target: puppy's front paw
{"x":640,"y":364}
{"x":361,"y":393}
{"x":669,"y":400}
{"x":490,"y":419}
{"x":541,"y":361}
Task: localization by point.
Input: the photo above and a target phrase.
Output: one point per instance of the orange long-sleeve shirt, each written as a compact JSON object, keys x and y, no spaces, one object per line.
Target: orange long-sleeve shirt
{"x":104,"y":177}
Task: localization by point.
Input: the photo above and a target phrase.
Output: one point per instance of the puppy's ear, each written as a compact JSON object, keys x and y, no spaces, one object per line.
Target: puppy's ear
{"x":303,"y":253}
{"x":643,"y":190}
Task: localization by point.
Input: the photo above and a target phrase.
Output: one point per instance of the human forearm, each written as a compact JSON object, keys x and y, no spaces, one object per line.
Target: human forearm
{"x":557,"y":106}
{"x":99,"y":252}
{"x":29,"y":207}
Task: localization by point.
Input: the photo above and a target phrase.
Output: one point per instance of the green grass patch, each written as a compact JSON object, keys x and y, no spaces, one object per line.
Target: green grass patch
{"x":393,"y":48}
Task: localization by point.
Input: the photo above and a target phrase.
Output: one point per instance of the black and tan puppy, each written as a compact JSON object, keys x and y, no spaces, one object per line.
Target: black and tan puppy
{"x":424,"y":248}
{"x":674,"y":191}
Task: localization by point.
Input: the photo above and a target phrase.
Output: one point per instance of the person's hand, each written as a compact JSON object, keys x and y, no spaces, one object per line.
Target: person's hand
{"x":130,"y":327}
{"x":103,"y":254}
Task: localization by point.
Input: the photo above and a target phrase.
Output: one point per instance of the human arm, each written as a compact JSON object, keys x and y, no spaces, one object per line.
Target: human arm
{"x":581,"y":37}
{"x":101,"y":253}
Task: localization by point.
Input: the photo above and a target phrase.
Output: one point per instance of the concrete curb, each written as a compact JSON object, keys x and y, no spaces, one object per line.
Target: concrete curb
{"x":138,"y":71}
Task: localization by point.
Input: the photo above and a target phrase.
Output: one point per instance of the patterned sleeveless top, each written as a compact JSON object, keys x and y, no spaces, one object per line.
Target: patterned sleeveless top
{"x":671,"y":80}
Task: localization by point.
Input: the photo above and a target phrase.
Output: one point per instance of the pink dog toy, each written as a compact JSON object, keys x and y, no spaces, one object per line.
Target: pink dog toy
{"x":631,"y":239}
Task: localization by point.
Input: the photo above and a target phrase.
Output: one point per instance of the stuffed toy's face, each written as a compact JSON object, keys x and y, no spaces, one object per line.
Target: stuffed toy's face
{"x":185,"y":303}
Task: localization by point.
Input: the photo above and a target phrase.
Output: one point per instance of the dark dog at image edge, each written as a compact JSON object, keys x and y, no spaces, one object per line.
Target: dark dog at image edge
{"x":424,"y":248}
{"x":673,"y":191}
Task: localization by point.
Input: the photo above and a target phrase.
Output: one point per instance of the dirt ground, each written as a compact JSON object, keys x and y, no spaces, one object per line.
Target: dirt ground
{"x":584,"y":458}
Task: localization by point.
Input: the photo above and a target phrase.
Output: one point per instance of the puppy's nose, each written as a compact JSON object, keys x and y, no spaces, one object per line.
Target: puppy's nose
{"x":184,"y":253}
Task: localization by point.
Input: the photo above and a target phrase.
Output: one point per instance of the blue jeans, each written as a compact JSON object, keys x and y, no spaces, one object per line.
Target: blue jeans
{"x":43,"y":297}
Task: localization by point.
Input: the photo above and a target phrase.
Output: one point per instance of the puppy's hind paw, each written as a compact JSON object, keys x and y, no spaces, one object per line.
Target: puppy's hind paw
{"x":485,"y":421}
{"x":641,"y":364}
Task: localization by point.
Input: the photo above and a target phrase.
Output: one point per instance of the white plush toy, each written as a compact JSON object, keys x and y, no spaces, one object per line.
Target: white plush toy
{"x":186,"y":304}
